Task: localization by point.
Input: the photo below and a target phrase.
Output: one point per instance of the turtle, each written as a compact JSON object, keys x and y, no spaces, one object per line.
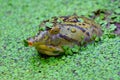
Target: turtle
{"x":56,"y":32}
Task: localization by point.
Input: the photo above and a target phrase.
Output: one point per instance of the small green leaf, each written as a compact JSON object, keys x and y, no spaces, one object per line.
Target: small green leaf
{"x":111,"y":35}
{"x":82,"y":37}
{"x":75,"y":48}
{"x":48,"y":24}
{"x":94,"y":36}
{"x":59,"y":20}
{"x":25,"y":43}
{"x":112,"y":27}
{"x":102,"y":16}
{"x":117,"y":10}
{"x":97,"y":39}
{"x":65,"y":47}
{"x":42,"y":29}
{"x":80,"y":20}
{"x":68,"y":52}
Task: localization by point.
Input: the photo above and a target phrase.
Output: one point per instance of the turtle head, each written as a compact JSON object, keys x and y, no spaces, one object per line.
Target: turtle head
{"x":40,"y":39}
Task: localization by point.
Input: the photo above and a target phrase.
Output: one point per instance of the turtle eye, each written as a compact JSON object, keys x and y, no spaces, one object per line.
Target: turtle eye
{"x":55,"y":30}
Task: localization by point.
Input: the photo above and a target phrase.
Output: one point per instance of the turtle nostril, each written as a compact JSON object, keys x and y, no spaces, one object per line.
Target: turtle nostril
{"x":30,"y":43}
{"x":27,"y":43}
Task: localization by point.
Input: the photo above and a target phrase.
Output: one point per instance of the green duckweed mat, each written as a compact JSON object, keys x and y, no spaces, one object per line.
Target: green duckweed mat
{"x":19,"y":19}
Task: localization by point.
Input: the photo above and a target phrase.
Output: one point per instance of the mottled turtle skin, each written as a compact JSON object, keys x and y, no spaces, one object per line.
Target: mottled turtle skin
{"x":64,"y":31}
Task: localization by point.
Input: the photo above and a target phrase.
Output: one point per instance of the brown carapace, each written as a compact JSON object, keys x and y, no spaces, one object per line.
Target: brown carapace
{"x":64,"y":31}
